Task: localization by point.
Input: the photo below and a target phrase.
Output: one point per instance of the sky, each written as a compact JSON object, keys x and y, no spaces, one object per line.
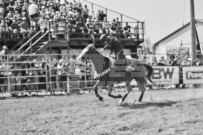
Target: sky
{"x":161,"y":17}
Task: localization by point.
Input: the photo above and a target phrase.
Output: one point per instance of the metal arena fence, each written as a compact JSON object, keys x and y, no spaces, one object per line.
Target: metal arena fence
{"x":46,"y":73}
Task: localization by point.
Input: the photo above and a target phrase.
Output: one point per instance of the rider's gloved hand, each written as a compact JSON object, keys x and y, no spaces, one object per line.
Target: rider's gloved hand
{"x":101,"y":50}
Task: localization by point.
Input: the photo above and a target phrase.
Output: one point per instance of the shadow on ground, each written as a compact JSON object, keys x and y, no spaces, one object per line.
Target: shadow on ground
{"x":144,"y":105}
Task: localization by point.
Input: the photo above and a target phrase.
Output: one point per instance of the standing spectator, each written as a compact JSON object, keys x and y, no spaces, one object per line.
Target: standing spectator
{"x":161,"y":62}
{"x":2,"y":11}
{"x":3,"y":53}
{"x":97,"y":26}
{"x":4,"y":30}
{"x":186,"y":61}
{"x":85,"y":12}
{"x":126,"y":30}
{"x":172,"y":61}
{"x":199,"y":61}
{"x":154,"y":61}
{"x":113,"y":27}
{"x":24,"y":27}
{"x":72,"y":64}
{"x":105,"y":26}
{"x":60,"y":75}
{"x":33,"y":10}
{"x":101,"y":15}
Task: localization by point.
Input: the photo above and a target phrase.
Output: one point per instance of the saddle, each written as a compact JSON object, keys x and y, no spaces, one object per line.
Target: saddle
{"x":126,"y":63}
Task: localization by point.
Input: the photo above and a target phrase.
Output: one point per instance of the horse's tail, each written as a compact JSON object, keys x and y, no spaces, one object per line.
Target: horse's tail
{"x":150,"y":71}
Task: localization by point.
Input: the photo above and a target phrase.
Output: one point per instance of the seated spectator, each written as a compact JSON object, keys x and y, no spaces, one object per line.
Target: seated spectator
{"x":34,"y":25}
{"x":75,"y":5}
{"x":16,"y":7}
{"x":17,"y":16}
{"x":15,"y":28}
{"x":62,"y":2}
{"x":10,"y":15}
{"x":24,"y":15}
{"x":24,"y":27}
{"x":80,"y":27}
{"x":44,"y":23}
{"x":89,"y":25}
{"x":62,"y":8}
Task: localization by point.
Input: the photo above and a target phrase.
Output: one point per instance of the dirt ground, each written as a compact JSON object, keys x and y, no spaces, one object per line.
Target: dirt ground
{"x":170,"y":112}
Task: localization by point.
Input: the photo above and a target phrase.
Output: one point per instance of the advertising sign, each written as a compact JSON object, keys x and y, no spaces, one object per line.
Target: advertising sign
{"x":165,"y":75}
{"x":193,"y":75}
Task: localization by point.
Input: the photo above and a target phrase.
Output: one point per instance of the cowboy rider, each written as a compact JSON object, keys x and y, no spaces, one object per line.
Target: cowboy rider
{"x":116,"y":49}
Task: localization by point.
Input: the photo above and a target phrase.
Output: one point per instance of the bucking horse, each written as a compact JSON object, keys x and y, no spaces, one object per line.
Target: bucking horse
{"x":108,"y":76}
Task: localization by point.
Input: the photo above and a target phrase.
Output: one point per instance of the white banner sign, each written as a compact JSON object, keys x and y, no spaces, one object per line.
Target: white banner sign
{"x":193,"y":75}
{"x":165,"y":75}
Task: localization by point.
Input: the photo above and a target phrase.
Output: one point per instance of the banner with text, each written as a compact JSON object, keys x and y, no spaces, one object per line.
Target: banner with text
{"x":165,"y":75}
{"x":193,"y":75}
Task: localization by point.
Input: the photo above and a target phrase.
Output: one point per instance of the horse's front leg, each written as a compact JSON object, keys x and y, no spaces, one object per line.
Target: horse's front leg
{"x":96,"y":91}
{"x":110,"y":88}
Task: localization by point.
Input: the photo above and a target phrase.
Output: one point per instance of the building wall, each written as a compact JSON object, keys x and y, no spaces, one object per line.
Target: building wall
{"x":173,"y":43}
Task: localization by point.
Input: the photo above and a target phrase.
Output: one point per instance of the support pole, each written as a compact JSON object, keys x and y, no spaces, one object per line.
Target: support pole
{"x":192,"y":24}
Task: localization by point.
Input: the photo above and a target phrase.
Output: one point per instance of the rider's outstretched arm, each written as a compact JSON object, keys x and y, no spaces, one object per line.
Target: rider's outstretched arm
{"x":105,"y":47}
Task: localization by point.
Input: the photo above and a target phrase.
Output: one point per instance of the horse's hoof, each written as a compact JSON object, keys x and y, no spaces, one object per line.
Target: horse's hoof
{"x":101,"y":99}
{"x":119,"y":96}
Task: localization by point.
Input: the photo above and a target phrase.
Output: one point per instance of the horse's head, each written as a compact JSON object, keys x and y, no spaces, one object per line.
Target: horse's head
{"x":89,"y":51}
{"x":100,"y":62}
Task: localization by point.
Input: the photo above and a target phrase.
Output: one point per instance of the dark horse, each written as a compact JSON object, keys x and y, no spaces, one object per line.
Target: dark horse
{"x":108,"y":76}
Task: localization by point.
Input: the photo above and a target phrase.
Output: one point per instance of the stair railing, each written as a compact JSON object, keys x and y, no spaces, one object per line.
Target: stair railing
{"x":26,"y":43}
{"x":33,"y":44}
{"x":23,"y":40}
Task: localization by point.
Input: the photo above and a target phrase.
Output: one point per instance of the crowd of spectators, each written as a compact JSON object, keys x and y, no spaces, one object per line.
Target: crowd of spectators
{"x":19,"y":17}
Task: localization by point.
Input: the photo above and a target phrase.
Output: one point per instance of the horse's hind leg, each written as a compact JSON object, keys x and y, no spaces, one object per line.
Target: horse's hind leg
{"x":142,"y":88}
{"x":96,"y":91}
{"x":110,"y":88}
{"x":129,"y":89}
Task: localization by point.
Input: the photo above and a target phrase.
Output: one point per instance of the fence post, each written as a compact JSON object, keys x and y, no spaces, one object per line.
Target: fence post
{"x":8,"y":76}
{"x":46,"y":68}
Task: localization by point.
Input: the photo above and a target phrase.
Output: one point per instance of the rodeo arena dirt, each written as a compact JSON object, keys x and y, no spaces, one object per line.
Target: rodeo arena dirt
{"x":86,"y":92}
